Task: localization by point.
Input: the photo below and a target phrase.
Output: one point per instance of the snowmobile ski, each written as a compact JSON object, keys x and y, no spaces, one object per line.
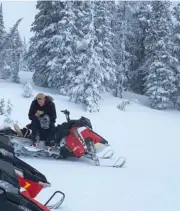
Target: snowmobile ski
{"x":98,"y":161}
{"x":107,"y":155}
{"x":58,"y":204}
{"x":25,"y":149}
{"x":119,"y":163}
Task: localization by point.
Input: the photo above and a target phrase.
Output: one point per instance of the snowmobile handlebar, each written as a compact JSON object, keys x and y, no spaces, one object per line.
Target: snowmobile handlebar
{"x":67,"y":114}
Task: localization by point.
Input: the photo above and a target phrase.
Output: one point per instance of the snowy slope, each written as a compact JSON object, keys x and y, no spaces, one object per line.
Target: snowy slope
{"x":149,"y":139}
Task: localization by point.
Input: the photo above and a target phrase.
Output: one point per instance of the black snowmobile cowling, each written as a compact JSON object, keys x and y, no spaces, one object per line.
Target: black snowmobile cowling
{"x":15,"y":174}
{"x":10,"y":197}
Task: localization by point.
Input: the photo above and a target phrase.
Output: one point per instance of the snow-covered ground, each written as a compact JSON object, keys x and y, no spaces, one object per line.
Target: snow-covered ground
{"x":149,"y":139}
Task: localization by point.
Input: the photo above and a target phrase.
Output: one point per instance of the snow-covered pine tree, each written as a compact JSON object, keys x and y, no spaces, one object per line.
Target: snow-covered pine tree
{"x":124,"y":46}
{"x":44,"y":28}
{"x":176,"y":53}
{"x":6,"y":70}
{"x":140,"y":25}
{"x":2,"y":28}
{"x":2,"y":36}
{"x":160,"y":78}
{"x":8,"y":112}
{"x":2,"y":106}
{"x":94,"y":60}
{"x":103,"y":18}
{"x":7,"y":42}
{"x":16,"y":53}
{"x":23,"y":66}
{"x":176,"y":39}
{"x":9,"y":107}
{"x":62,"y":64}
{"x":117,"y":87}
{"x":89,"y":73}
{"x":6,"y":50}
{"x":27,"y":90}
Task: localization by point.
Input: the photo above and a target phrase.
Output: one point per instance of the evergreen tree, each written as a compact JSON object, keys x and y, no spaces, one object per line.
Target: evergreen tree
{"x":103,"y":17}
{"x":89,"y":74}
{"x":62,"y":51}
{"x":94,"y":64}
{"x":140,"y":25}
{"x":6,"y":51}
{"x":2,"y":106}
{"x":123,"y":45}
{"x":2,"y":35}
{"x":44,"y":28}
{"x":9,"y":107}
{"x":27,"y":90}
{"x":7,"y":42}
{"x":15,"y":57}
{"x":176,"y":53}
{"x":24,"y":59}
{"x":160,"y":78}
{"x":2,"y":28}
{"x":8,"y":112}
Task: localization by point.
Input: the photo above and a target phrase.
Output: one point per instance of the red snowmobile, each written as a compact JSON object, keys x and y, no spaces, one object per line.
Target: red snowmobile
{"x":74,"y":138}
{"x":78,"y":139}
{"x":20,"y":183}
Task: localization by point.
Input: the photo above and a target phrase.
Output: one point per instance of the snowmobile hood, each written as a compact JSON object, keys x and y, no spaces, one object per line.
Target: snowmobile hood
{"x":29,"y":172}
{"x":8,"y":174}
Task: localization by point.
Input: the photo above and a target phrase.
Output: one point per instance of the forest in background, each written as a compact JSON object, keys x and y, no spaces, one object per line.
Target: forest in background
{"x":83,"y":49}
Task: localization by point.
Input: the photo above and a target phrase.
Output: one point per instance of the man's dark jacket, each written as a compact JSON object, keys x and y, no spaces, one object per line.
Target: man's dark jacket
{"x":48,"y":108}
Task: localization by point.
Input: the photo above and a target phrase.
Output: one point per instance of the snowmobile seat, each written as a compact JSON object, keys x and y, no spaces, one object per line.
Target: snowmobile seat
{"x":8,"y":131}
{"x":18,"y":202}
{"x":6,"y":149}
{"x":6,"y":144}
{"x":62,"y":130}
{"x":83,"y":121}
{"x":6,"y":204}
{"x":7,"y":173}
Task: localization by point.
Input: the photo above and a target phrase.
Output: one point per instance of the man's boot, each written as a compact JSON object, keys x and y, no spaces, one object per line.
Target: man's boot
{"x":35,"y":138}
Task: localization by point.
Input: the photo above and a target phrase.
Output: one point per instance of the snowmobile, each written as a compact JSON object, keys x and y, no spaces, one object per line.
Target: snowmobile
{"x":74,"y":138}
{"x":20,"y":183}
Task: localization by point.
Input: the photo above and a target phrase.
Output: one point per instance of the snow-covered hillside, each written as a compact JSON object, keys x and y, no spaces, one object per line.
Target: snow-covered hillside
{"x":149,"y":139}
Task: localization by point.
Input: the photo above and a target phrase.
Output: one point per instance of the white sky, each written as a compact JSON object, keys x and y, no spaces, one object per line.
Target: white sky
{"x":13,"y":10}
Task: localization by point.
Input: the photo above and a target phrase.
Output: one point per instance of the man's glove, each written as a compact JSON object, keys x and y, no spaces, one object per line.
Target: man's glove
{"x":39,"y":113}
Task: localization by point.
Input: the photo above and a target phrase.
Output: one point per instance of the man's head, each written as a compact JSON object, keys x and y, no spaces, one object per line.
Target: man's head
{"x":41,"y":99}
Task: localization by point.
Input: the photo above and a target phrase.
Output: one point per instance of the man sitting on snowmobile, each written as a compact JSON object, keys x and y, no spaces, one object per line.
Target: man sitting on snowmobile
{"x":42,"y":114}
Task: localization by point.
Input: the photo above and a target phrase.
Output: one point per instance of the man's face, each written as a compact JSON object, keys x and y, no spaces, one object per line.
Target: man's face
{"x":41,"y":101}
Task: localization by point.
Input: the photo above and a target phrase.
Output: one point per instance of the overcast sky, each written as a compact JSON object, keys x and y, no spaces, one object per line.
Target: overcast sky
{"x":13,"y":10}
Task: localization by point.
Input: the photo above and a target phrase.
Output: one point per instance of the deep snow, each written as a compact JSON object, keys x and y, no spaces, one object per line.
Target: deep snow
{"x":149,"y":139}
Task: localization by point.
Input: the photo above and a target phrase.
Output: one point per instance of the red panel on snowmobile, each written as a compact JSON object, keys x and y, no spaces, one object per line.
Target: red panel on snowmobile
{"x":75,"y":145}
{"x":27,"y":195}
{"x":33,"y":188}
{"x":90,"y":134}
